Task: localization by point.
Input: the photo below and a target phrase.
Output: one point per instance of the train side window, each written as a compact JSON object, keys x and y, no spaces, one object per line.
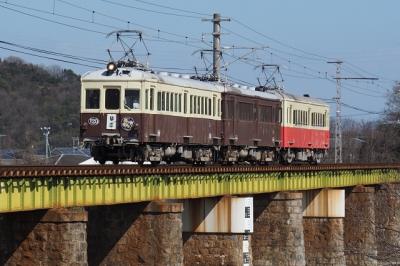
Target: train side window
{"x":209,"y":106}
{"x":159,"y":101}
{"x":185,"y":102}
{"x":194,"y":104}
{"x":163,"y":101}
{"x":176,"y":102}
{"x":167,"y":101}
{"x":92,"y":99}
{"x":219,"y":107}
{"x":191,"y":104}
{"x":152,"y":99}
{"x":112,"y":99}
{"x":206,"y":106}
{"x":202,"y":106}
{"x":214,"y":105}
{"x":146,"y":99}
{"x":132,"y":99}
{"x":198,"y":104}
{"x":180,"y":102}
{"x":171,"y":102}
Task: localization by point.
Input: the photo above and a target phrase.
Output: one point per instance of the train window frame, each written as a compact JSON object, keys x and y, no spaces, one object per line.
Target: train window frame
{"x":87,"y":104}
{"x":116,"y":103}
{"x":135,"y":106}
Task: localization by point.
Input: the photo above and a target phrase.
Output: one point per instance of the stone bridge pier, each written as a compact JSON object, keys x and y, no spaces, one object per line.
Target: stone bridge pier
{"x":324,"y":210}
{"x":216,"y":231}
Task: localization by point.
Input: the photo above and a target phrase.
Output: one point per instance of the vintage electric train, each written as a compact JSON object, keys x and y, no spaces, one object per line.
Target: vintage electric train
{"x":142,"y":116}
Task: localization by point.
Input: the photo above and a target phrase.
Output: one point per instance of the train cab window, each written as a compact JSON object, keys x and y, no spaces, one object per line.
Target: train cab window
{"x":112,"y":99}
{"x":92,"y":99}
{"x":132,"y":99}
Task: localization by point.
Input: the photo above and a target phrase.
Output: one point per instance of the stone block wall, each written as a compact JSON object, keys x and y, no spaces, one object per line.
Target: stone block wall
{"x":213,"y":249}
{"x":45,"y":237}
{"x":323,"y":240}
{"x":387,"y":219}
{"x":359,"y":227}
{"x":135,"y":234}
{"x":278,"y":229}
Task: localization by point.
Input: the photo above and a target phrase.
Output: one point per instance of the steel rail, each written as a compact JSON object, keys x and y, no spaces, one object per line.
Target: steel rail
{"x":24,"y":171}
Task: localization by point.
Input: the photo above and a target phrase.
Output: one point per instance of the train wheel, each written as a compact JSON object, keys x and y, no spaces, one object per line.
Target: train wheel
{"x":102,"y":161}
{"x":115,"y":161}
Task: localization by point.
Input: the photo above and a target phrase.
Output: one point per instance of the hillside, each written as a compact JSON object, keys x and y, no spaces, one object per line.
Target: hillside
{"x":35,"y":96}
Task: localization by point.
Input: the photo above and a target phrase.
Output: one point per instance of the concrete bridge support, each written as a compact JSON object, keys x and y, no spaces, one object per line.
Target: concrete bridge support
{"x":45,"y":237}
{"x":135,"y":234}
{"x":323,"y":226}
{"x":359,"y":226}
{"x":217,"y":231}
{"x":278,"y":229}
{"x":387,"y":218}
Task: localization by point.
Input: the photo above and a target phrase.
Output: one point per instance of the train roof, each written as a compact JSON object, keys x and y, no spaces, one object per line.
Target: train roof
{"x":133,"y":74}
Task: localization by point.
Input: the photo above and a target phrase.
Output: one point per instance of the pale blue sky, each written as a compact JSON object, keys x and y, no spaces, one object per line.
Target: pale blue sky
{"x":363,"y":33}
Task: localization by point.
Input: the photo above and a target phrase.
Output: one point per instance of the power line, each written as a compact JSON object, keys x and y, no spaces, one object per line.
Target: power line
{"x":53,"y":21}
{"x":47,"y":57}
{"x":172,"y":8}
{"x":81,"y":58}
{"x":151,"y":11}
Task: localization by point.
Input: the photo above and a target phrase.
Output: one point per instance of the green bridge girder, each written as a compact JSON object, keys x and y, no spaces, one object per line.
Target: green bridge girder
{"x":23,"y":194}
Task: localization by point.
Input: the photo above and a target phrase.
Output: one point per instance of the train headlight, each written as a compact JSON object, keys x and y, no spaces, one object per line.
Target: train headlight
{"x":111,"y":67}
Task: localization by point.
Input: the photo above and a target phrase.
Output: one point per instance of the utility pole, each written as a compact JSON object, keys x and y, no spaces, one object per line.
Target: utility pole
{"x":46,"y":133}
{"x":338,"y":119}
{"x":217,"y":44}
{"x":338,"y":100}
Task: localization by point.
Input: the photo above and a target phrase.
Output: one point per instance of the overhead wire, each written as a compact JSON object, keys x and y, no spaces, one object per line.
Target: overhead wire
{"x":150,"y":10}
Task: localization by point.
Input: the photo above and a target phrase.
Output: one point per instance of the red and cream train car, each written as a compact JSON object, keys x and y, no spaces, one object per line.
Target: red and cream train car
{"x":130,"y":114}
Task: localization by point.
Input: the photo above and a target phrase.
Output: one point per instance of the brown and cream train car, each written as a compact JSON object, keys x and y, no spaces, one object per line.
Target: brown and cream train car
{"x":135,"y":115}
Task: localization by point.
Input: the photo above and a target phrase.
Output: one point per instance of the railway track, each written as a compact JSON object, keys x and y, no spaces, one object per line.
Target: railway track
{"x":118,"y":170}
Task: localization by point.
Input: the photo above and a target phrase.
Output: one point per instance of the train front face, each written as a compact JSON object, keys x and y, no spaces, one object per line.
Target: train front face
{"x":110,"y":116}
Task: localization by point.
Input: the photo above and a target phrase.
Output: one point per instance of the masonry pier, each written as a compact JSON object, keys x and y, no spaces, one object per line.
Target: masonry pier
{"x":141,"y":234}
{"x":217,"y":231}
{"x":278,"y":229}
{"x":387,"y":218}
{"x":44,"y":237}
{"x":323,"y":226}
{"x":359,"y":226}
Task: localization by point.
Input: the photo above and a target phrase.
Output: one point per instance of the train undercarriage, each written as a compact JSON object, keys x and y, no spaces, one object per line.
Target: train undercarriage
{"x":116,"y":151}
